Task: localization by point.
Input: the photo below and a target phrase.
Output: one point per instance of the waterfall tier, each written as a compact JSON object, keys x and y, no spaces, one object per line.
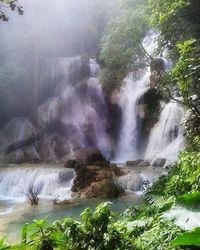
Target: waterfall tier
{"x":166,"y":138}
{"x":74,"y":118}
{"x":50,"y":183}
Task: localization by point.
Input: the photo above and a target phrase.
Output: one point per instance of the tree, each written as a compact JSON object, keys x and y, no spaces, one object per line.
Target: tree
{"x":121,"y":46}
{"x":179,"y":25}
{"x":11,"y":5}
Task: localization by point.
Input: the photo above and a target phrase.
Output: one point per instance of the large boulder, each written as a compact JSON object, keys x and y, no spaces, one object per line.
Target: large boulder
{"x":103,"y":189}
{"x":95,"y":180}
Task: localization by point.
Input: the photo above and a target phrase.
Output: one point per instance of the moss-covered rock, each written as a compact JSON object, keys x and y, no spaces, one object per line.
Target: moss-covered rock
{"x":95,"y":178}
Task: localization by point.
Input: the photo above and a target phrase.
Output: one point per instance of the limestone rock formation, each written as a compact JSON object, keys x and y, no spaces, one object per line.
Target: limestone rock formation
{"x":18,"y":141}
{"x":95,"y":178}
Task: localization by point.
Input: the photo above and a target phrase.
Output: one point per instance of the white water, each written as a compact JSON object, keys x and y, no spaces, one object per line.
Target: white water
{"x":135,"y":84}
{"x":51,"y":183}
{"x":80,"y":108}
{"x":166,"y":138}
{"x":129,"y":94}
{"x":183,"y":217}
{"x":137,"y":177}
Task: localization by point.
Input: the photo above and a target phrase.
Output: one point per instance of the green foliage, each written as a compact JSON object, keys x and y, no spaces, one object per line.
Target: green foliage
{"x":163,"y":10}
{"x":159,"y":235}
{"x":189,"y":200}
{"x":187,"y":69}
{"x":175,"y":19}
{"x":178,"y":23}
{"x":150,"y":230}
{"x":187,"y":75}
{"x":191,"y":238}
{"x":181,"y":179}
{"x":138,"y":228}
{"x":121,"y":45}
{"x":97,"y":230}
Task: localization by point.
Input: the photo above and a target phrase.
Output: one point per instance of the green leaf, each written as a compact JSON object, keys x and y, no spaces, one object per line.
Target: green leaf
{"x":24,"y":232}
{"x":191,"y":238}
{"x":189,"y":200}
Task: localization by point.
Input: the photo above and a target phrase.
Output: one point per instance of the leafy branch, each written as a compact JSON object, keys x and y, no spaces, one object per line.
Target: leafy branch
{"x":11,"y":5}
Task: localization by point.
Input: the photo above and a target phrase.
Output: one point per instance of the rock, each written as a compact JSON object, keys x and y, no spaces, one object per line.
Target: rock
{"x":96,"y":180}
{"x":71,"y":164}
{"x":131,"y":181}
{"x":65,"y":202}
{"x":137,"y":163}
{"x":159,"y":162}
{"x":95,"y":157}
{"x":17,"y":156}
{"x":32,"y":154}
{"x":84,"y":177}
{"x":66,"y":175}
{"x":18,"y":141}
{"x":118,"y":171}
{"x":148,"y":111}
{"x":143,"y":164}
{"x":134,"y":163}
{"x":103,"y":189}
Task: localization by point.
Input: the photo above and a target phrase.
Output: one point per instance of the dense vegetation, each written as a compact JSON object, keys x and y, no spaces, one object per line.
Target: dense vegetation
{"x":142,"y":227}
{"x":122,"y":49}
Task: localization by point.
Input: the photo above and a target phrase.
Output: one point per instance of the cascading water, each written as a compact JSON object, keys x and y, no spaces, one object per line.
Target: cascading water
{"x":166,"y":138}
{"x":130,"y":92}
{"x":134,"y":86}
{"x":50,"y":183}
{"x":78,"y":108}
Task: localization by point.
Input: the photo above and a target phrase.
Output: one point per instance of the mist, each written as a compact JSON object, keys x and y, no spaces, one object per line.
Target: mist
{"x":47,"y":29}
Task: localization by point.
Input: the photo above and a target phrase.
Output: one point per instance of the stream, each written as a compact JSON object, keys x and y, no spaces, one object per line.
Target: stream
{"x":15,"y":209}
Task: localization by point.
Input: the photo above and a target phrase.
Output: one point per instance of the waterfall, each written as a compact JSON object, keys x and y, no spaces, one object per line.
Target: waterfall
{"x":135,"y":84}
{"x":49,"y":182}
{"x":94,"y":68}
{"x":78,"y":110}
{"x":166,"y":138}
{"x":130,"y":92}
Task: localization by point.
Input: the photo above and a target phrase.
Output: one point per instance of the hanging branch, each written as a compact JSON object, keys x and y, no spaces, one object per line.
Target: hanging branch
{"x":9,"y":5}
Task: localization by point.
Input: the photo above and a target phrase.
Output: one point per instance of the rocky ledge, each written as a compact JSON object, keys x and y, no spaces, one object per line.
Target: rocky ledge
{"x":95,"y":177}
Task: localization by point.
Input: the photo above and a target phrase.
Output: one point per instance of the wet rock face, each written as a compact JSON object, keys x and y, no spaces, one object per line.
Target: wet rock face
{"x":103,"y":189}
{"x":159,"y":162}
{"x":18,"y":141}
{"x":73,"y":122}
{"x":114,"y":123}
{"x":138,"y":164}
{"x":148,"y":114}
{"x":95,"y":178}
{"x":95,"y":157}
{"x":133,"y":163}
{"x":65,"y":176}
